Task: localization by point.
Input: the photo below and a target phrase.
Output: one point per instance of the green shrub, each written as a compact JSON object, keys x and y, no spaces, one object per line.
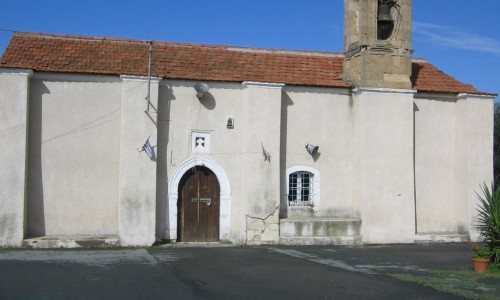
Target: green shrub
{"x":488,"y":220}
{"x":481,"y":252}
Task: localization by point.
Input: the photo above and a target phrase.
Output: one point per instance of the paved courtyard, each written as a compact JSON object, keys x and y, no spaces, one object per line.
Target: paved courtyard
{"x":218,"y":272}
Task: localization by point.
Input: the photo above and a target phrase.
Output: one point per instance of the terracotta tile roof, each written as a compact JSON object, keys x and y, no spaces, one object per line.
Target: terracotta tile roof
{"x":77,"y":54}
{"x":428,"y":78}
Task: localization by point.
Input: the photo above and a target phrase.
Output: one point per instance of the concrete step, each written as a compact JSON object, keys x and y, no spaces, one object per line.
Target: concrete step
{"x":320,"y":231}
{"x":321,"y":240}
{"x":71,"y":241}
{"x":441,"y":237}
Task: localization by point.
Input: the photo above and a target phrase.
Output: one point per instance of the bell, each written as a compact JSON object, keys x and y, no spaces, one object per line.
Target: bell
{"x":385,"y":23}
{"x":384,"y":12}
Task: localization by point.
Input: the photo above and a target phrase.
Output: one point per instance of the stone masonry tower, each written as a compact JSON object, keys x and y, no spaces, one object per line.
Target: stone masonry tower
{"x":378,"y":62}
{"x":377,"y":43}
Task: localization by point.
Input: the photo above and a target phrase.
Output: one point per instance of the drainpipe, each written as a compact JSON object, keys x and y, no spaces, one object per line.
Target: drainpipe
{"x":149,"y":73}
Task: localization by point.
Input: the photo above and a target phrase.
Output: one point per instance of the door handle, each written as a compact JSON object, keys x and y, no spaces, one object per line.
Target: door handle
{"x":207,"y":200}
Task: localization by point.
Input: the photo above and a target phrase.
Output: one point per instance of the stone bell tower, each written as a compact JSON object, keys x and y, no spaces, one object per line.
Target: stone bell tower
{"x":377,"y":43}
{"x":378,"y":63}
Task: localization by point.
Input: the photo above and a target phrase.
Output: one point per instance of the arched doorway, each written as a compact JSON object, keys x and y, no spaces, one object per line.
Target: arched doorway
{"x":198,"y":206}
{"x":224,"y":196}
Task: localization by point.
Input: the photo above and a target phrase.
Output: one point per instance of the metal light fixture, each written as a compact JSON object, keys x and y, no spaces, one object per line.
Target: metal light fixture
{"x":230,"y":123}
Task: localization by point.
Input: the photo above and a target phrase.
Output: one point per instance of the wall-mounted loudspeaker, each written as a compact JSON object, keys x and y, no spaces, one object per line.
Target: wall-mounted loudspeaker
{"x":201,"y":88}
{"x":312,"y":149}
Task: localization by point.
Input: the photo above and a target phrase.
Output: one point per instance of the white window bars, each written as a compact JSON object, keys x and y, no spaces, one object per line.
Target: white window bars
{"x":300,"y":189}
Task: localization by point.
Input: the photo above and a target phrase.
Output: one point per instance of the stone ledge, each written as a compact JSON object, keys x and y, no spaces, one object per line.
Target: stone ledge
{"x":322,"y":219}
{"x":445,"y":237}
{"x":320,"y":227}
{"x":71,"y":241}
{"x":306,"y":241}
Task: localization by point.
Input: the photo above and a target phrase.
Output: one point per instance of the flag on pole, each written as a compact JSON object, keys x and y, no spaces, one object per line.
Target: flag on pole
{"x":148,"y":149}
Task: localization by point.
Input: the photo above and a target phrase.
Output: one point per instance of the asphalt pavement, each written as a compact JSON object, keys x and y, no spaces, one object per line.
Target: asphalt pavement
{"x":184,"y":271}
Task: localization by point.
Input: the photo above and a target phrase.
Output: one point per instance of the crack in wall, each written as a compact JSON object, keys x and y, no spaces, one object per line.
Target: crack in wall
{"x":263,"y":230}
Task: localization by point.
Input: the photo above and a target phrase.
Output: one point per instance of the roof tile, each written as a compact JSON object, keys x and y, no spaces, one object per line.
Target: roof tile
{"x":80,"y":54}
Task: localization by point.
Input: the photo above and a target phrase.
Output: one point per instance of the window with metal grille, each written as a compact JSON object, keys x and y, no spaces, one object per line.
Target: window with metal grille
{"x":300,"y":188}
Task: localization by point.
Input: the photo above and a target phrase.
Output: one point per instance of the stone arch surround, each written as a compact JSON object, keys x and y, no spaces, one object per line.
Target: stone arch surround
{"x":225,"y":195}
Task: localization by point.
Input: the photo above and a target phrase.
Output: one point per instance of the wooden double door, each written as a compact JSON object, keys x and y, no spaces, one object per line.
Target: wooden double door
{"x":198,"y":206}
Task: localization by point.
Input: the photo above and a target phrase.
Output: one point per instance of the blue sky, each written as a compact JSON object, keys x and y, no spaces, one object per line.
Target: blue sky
{"x":461,"y":37}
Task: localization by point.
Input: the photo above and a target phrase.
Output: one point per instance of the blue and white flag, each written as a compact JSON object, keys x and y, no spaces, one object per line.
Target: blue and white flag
{"x":148,"y":149}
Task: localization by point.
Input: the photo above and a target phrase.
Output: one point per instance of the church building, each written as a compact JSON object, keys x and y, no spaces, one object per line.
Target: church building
{"x":118,"y":142}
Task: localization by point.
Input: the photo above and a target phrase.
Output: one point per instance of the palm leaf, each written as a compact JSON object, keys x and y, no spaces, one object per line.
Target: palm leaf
{"x":488,"y":218}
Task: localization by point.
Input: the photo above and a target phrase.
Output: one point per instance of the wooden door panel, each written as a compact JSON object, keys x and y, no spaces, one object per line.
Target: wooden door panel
{"x":199,"y":206}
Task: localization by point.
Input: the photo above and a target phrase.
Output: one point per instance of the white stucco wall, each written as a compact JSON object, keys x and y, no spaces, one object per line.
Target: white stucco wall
{"x":239,"y":151}
{"x":437,"y":201}
{"x":476,"y":119}
{"x":254,"y":182}
{"x":323,"y":117}
{"x":260,"y":177}
{"x":384,"y":179}
{"x":365,"y":159}
{"x":137,"y":191}
{"x":85,"y":175}
{"x":183,"y":113}
{"x":453,"y":157}
{"x":14,"y":87}
{"x":73,"y":155}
